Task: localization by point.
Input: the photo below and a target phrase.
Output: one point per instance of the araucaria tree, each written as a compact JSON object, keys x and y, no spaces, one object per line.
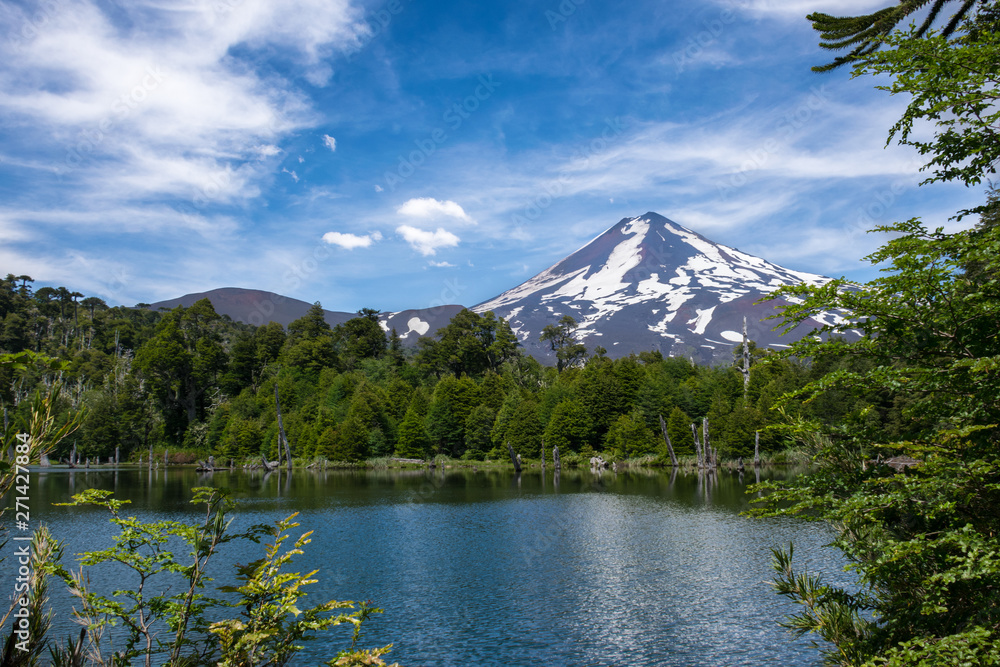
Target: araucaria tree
{"x":561,"y":337}
{"x":915,"y":507}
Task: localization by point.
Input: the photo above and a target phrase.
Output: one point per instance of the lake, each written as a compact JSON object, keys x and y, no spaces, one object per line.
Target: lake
{"x":490,"y":568}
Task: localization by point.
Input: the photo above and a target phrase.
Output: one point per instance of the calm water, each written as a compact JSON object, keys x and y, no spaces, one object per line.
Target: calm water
{"x":484,"y":568}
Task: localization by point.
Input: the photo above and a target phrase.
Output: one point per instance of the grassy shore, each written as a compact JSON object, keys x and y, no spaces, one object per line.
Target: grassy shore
{"x":788,"y":457}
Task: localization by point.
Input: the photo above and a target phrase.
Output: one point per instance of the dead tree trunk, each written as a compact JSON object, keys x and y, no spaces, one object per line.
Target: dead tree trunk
{"x":543,"y":455}
{"x":116,"y":455}
{"x":555,"y":458}
{"x":267,"y":466}
{"x":756,"y":449}
{"x":697,"y":444}
{"x":281,"y":431}
{"x":746,"y":359}
{"x":514,"y":459}
{"x":166,"y":457}
{"x":666,"y":438}
{"x":709,"y":459}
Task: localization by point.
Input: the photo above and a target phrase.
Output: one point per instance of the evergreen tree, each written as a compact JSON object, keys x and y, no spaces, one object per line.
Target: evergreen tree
{"x":478,"y":427}
{"x":412,"y":442}
{"x":865,"y":34}
{"x":453,"y":400}
{"x":361,"y":337}
{"x":629,"y":437}
{"x":569,"y":427}
{"x":561,"y":338}
{"x":182,"y":362}
{"x":679,"y":430}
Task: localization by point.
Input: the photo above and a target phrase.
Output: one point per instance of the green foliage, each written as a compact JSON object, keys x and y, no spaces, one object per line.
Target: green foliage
{"x":908,"y":471}
{"x":679,"y":430}
{"x":865,"y":34}
{"x":190,"y":379}
{"x":519,"y":425}
{"x":453,"y":400}
{"x":629,"y":437}
{"x":44,"y":552}
{"x":923,"y":540}
{"x":141,"y":547}
{"x":42,"y":428}
{"x":478,"y":427}
{"x":473,"y":344}
{"x":182,"y":363}
{"x":413,"y":442}
{"x":270,"y":630}
{"x":361,"y":338}
{"x":570,"y":427}
{"x":272,"y":624}
{"x":953,"y":82}
{"x":561,"y":337}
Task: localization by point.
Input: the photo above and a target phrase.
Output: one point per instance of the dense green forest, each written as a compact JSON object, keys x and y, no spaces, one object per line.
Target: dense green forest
{"x":192,"y":381}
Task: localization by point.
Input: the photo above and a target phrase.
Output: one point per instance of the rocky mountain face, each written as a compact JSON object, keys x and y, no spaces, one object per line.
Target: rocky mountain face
{"x":649,"y":283}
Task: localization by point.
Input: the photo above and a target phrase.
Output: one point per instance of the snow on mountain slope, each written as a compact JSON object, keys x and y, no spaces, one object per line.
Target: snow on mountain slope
{"x":650,"y":283}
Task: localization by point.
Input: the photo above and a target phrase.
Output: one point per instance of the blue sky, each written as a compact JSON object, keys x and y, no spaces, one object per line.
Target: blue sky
{"x":406,"y":153}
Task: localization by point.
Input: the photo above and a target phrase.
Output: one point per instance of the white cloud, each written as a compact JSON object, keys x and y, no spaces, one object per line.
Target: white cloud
{"x":425,"y":242}
{"x":330,"y":143}
{"x":150,"y":100}
{"x":441,"y":264}
{"x":428,"y":207}
{"x":295,"y":177}
{"x":351,"y":241}
{"x":378,"y":188}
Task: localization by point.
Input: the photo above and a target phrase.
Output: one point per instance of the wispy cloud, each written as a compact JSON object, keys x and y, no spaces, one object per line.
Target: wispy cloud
{"x":330,"y":143}
{"x":151,"y":101}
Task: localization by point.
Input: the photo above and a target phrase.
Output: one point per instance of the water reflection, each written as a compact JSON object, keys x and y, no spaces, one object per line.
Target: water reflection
{"x":567,"y":567}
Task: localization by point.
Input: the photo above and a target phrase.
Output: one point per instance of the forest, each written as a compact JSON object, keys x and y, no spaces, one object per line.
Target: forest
{"x":193,"y":383}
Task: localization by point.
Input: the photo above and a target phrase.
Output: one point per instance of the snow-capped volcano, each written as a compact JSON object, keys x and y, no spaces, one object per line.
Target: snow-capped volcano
{"x":649,"y":283}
